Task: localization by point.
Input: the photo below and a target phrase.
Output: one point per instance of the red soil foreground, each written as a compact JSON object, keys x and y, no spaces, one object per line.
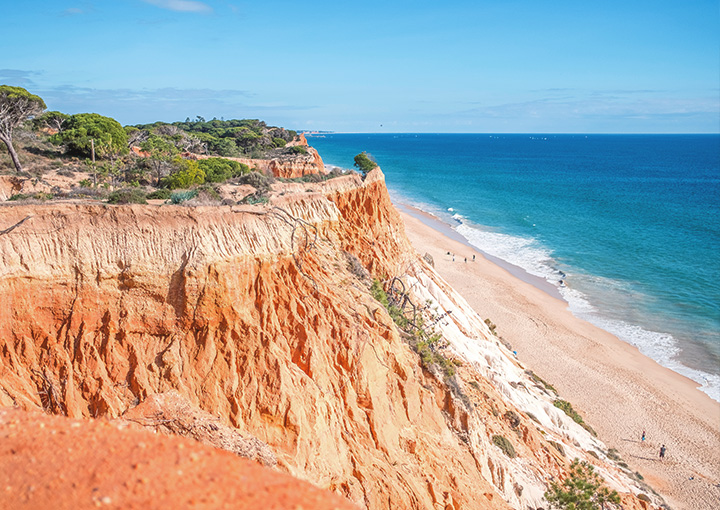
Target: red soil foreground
{"x":54,"y":462}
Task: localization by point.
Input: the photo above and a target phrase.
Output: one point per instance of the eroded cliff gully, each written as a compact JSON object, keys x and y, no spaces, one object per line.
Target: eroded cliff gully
{"x":248,"y":316}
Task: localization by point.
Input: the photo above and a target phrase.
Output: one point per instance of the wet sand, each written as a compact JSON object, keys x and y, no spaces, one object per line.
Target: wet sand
{"x":619,"y":391}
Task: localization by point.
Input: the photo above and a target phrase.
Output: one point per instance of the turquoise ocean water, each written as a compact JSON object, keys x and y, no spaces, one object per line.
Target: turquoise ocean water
{"x":630,"y":223}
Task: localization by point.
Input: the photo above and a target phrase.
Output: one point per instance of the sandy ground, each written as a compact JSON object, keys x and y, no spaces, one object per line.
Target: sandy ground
{"x":619,"y":391}
{"x":52,"y":462}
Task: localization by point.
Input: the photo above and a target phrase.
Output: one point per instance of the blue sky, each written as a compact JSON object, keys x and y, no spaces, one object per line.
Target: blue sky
{"x":376,"y":66}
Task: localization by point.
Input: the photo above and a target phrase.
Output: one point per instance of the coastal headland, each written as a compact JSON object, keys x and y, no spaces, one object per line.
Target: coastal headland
{"x":291,"y":322}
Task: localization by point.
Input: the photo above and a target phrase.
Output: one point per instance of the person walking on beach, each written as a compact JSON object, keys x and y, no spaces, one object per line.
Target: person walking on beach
{"x":643,"y":437}
{"x":662,"y":452}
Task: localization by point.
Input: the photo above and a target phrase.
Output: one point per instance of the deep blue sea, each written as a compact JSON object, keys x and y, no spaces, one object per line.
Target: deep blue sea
{"x":630,"y":223}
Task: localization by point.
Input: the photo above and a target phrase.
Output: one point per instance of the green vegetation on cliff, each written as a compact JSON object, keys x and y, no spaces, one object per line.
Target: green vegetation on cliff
{"x":582,"y":490}
{"x":250,"y":138}
{"x":93,"y":157}
{"x":364,"y":163}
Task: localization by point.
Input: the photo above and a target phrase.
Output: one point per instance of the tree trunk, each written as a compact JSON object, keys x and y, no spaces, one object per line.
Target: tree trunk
{"x":13,"y":154}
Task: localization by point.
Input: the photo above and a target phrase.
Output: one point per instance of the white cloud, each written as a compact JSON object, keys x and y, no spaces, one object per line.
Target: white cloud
{"x":181,"y":5}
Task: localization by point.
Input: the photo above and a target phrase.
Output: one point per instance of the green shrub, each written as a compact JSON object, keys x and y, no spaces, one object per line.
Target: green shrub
{"x":257,"y":180}
{"x":364,"y":163}
{"x":505,"y":445}
{"x":107,"y":135}
{"x":181,"y":196}
{"x":255,"y":199}
{"x":312,"y":178}
{"x":377,"y":291}
{"x":209,"y":193}
{"x":539,"y":380}
{"x":583,"y":489}
{"x":567,"y":408}
{"x":221,"y":169}
{"x":162,"y":194}
{"x":298,"y":149}
{"x":278,"y":142}
{"x":491,"y":326}
{"x":335,"y":172}
{"x":127,"y":196}
{"x":31,"y":196}
{"x":189,"y":174}
{"x":644,"y":497}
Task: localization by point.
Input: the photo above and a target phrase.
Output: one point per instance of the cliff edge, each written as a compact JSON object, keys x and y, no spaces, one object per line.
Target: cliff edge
{"x":262,"y":317}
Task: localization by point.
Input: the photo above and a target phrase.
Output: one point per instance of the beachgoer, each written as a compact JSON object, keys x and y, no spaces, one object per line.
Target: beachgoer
{"x":466,"y":260}
{"x":662,"y":451}
{"x":643,"y":436}
{"x":473,"y":258}
{"x":453,"y":257}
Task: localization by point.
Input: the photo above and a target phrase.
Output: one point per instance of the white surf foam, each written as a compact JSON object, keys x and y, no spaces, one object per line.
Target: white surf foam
{"x":530,"y":255}
{"x":525,"y":253}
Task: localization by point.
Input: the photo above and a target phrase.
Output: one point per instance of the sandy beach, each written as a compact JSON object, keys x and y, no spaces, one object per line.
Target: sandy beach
{"x":619,"y":391}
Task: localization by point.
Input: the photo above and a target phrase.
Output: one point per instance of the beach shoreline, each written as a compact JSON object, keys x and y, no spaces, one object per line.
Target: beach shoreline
{"x":619,"y":391}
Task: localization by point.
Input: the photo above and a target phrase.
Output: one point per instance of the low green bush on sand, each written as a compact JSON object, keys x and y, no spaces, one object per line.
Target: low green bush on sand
{"x":567,"y":408}
{"x":160,"y":194}
{"x":127,"y":196}
{"x":505,"y":445}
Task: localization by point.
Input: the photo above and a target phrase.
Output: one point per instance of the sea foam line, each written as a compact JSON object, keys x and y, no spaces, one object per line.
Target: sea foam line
{"x":531,"y":256}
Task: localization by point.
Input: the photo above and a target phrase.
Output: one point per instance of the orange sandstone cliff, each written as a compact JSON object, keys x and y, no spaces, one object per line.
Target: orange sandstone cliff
{"x":261,"y":318}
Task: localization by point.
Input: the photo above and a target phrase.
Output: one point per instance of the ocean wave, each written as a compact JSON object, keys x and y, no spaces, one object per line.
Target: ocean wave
{"x":662,"y":347}
{"x":525,"y":253}
{"x":531,"y":256}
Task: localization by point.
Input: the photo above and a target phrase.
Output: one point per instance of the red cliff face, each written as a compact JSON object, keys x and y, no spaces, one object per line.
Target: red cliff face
{"x":249,"y":315}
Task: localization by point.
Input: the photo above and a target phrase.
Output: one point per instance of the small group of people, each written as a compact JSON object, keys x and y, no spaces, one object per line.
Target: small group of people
{"x":453,"y":257}
{"x":663,"y":450}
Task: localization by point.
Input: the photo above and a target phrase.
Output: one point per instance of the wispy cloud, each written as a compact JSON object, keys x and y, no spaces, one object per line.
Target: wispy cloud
{"x":75,"y":94}
{"x":181,"y":5}
{"x":17,"y":77}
